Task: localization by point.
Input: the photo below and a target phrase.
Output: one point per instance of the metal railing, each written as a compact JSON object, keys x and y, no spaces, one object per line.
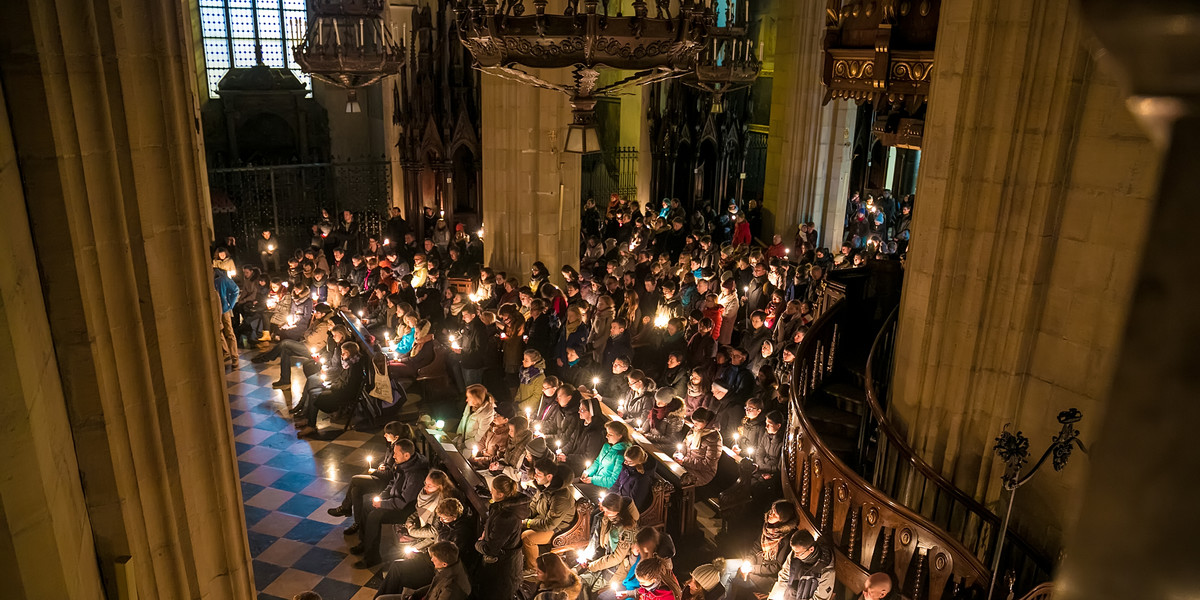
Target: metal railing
{"x":287,"y":199}
{"x":609,"y":172}
{"x":903,"y":475}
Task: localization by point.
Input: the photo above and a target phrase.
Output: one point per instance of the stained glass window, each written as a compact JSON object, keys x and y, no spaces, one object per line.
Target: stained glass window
{"x":228,"y":29}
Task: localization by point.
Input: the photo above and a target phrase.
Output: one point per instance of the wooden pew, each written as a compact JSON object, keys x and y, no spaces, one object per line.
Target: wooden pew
{"x":675,"y":494}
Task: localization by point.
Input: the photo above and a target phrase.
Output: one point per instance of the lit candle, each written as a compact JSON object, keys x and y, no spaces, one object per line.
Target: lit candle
{"x":679,"y":447}
{"x":735,"y":437}
{"x":360,"y":314}
{"x":439,"y":424}
{"x":587,"y":464}
{"x":386,"y":241}
{"x":557,"y":447}
{"x":537,"y":429}
{"x":231,"y":272}
{"x":639,"y":423}
{"x":378,"y":499}
{"x":270,"y":247}
{"x":746,"y":567}
{"x":368,"y":463}
{"x":750,"y":451}
{"x":474,"y":450}
{"x":528,"y":412}
{"x":480,"y":233}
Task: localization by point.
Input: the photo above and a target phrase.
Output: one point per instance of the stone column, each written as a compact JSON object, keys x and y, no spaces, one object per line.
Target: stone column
{"x":104,"y":114}
{"x":1031,"y":202}
{"x":808,"y":147}
{"x":635,"y":133}
{"x":1142,"y":487}
{"x":530,"y":186}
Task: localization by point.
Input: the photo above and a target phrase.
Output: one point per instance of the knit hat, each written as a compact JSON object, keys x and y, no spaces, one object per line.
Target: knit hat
{"x":506,"y":410}
{"x":706,"y":576}
{"x":721,"y":386}
{"x":537,"y":448}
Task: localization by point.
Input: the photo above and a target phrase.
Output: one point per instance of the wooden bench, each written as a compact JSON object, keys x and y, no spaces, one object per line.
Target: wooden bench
{"x":674,"y":492}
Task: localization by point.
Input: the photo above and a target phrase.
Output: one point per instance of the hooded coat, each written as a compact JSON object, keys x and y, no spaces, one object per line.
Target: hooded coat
{"x":529,"y":390}
{"x":608,"y":465}
{"x":701,"y":452}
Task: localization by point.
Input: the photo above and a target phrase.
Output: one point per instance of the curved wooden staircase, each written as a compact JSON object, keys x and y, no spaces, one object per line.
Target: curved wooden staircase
{"x":861,"y":486}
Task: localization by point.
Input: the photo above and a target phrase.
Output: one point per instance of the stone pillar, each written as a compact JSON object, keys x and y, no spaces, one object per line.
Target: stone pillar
{"x":104,"y":114}
{"x":1031,"y":203}
{"x":635,"y":133}
{"x":808,"y":147}
{"x":530,"y":186}
{"x":1141,"y":489}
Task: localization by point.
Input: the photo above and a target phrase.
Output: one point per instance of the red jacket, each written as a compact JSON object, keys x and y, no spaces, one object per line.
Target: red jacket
{"x":741,"y":234}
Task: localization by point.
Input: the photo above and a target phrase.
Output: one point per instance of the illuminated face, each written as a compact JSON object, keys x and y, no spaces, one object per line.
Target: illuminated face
{"x":542,"y":479}
{"x":431,"y":486}
{"x":611,"y":436}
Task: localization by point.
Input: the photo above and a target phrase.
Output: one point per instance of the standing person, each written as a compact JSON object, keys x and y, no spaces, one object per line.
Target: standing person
{"x":475,"y":347}
{"x":268,"y":252}
{"x":477,"y":416}
{"x":227,"y":294}
{"x":394,"y":504}
{"x":500,"y":544}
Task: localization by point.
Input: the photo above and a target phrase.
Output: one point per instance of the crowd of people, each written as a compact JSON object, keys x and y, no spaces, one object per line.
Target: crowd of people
{"x":676,"y":328}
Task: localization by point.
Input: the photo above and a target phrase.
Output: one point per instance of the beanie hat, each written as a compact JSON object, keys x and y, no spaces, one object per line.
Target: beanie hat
{"x":706,"y":576}
{"x":506,"y":410}
{"x":537,"y":448}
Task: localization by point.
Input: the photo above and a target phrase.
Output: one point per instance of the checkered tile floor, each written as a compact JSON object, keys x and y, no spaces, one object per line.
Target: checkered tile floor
{"x":287,"y":485}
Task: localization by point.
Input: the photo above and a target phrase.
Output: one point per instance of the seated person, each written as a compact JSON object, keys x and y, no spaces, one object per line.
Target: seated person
{"x":342,"y":392}
{"x":618,"y":531}
{"x":373,"y":481}
{"x":705,"y":582}
{"x":753,"y":428}
{"x":769,"y":553}
{"x":394,"y":504}
{"x":419,"y":356}
{"x":656,"y":581}
{"x":607,"y":466}
{"x":519,"y":437}
{"x":556,"y":581}
{"x":663,"y":424}
{"x":701,"y":449}
{"x":808,"y":573}
{"x":494,"y":442}
{"x":416,"y":570}
{"x":547,"y":400}
{"x":560,"y":422}
{"x":330,"y":366}
{"x":551,"y":509}
{"x":289,"y":350}
{"x":878,"y":586}
{"x":450,"y":581}
{"x":649,"y":543}
{"x":421,"y":526}
{"x":578,"y":451}
{"x":637,"y":478}
{"x":768,"y":457}
{"x":476,"y":418}
{"x":639,"y":398}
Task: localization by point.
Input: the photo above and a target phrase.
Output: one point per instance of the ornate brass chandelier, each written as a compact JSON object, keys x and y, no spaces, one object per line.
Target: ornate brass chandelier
{"x":505,"y":37}
{"x":348,"y":45}
{"x":730,"y":60}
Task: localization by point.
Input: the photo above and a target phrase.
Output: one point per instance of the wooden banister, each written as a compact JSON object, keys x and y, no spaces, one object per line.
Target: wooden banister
{"x":869,"y":531}
{"x":901,"y":473}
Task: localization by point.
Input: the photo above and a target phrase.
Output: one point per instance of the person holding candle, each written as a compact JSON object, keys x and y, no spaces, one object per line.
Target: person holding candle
{"x":761,"y":568}
{"x":579,"y":369}
{"x":640,"y":397}
{"x":664,"y":422}
{"x":419,"y":356}
{"x":636,"y":480}
{"x":477,"y":416}
{"x":808,"y":574}
{"x":616,"y":384}
{"x":531,"y":377}
{"x":701,"y":448}
{"x":500,"y":544}
{"x":583,"y":446}
{"x":752,"y":430}
{"x":342,"y":391}
{"x":519,"y":437}
{"x":394,"y":504}
{"x":656,"y":581}
{"x":560,"y":421}
{"x":375,"y":479}
{"x":551,"y":508}
{"x":494,"y":441}
{"x":608,"y":463}
{"x":421,"y":529}
{"x":618,"y":532}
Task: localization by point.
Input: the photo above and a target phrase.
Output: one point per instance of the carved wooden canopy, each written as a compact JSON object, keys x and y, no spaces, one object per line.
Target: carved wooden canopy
{"x":881,"y":51}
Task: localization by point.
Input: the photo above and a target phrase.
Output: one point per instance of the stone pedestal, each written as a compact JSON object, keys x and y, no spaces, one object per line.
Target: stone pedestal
{"x":808,"y":147}
{"x":120,"y":428}
{"x":530,"y":186}
{"x":1032,"y":199}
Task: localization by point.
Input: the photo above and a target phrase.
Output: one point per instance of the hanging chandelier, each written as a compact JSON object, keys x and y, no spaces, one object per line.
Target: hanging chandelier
{"x":348,"y":45}
{"x":585,"y":36}
{"x":730,"y":61}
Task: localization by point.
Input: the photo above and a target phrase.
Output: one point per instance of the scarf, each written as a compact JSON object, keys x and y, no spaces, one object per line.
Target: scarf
{"x":773,"y":535}
{"x":571,"y":327}
{"x":529,"y":374}
{"x":694,"y":389}
{"x":659,"y":413}
{"x":427,"y":507}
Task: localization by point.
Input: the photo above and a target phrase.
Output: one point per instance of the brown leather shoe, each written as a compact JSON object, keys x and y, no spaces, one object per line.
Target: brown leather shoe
{"x":306,"y":432}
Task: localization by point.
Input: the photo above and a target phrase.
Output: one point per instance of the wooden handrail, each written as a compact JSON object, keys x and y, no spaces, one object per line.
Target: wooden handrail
{"x":897,"y":451}
{"x":869,"y":531}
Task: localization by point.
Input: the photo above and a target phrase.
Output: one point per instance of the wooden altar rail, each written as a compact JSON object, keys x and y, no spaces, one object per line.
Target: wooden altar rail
{"x":902,"y":474}
{"x":869,"y":531}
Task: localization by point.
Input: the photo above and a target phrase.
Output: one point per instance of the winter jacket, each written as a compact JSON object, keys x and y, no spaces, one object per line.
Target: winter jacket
{"x":516,"y":448}
{"x":608,"y":464}
{"x":810,"y":579}
{"x":551,"y":509}
{"x":317,"y":332}
{"x":572,"y":589}
{"x":529,"y":390}
{"x":227,"y":290}
{"x":493,"y":443}
{"x":638,"y":486}
{"x":701,"y":451}
{"x":598,"y":337}
{"x":668,"y":430}
{"x":614,"y":554}
{"x":402,"y":492}
{"x":502,"y":529}
{"x":586,"y":443}
{"x":729,"y":414}
{"x":473,"y":425}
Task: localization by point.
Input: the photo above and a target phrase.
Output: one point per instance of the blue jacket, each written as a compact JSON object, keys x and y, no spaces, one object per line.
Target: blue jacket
{"x":608,"y":465}
{"x":227,"y":290}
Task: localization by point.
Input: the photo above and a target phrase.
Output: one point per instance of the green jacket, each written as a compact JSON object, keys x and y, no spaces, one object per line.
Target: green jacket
{"x":551,"y":510}
{"x":607,"y":466}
